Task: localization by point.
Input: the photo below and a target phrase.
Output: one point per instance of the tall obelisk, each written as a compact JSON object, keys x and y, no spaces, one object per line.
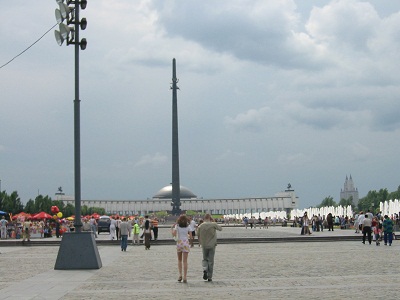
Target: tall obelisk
{"x":176,"y":197}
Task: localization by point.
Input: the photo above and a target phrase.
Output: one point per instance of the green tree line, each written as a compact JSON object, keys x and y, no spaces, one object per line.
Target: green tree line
{"x":371,"y":201}
{"x":12,"y":204}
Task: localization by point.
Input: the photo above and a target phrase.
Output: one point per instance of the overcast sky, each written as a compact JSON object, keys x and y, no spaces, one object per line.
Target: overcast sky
{"x":271,"y":93}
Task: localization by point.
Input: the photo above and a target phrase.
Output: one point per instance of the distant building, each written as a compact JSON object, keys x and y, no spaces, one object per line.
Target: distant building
{"x":349,"y":191}
{"x":282,"y":201}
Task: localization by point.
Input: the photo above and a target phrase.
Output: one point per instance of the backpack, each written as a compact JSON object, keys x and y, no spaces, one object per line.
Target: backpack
{"x":147,"y":224}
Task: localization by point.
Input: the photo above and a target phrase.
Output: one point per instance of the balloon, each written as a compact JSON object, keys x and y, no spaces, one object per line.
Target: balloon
{"x":59,"y":214}
{"x":54,"y":209}
{"x":55,"y":217}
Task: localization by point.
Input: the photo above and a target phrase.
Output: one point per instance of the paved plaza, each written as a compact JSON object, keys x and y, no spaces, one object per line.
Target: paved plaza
{"x":285,"y":270}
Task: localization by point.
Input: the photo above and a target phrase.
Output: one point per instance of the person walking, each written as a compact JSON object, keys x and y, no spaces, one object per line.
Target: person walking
{"x":181,"y":230}
{"x":93,"y":226}
{"x":26,"y":227}
{"x":154,"y":222}
{"x":366,"y":229}
{"x":147,"y":232}
{"x":135,"y":233}
{"x":3,"y":223}
{"x":117,"y":227}
{"x":329,"y":220}
{"x":306,"y":224}
{"x":387,"y":230}
{"x":192,"y":226}
{"x":207,"y":236}
{"x":113,"y":225}
{"x":124,"y":232}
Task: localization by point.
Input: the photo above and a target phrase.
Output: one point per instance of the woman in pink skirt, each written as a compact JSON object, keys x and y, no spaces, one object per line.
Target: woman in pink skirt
{"x":182,"y":232}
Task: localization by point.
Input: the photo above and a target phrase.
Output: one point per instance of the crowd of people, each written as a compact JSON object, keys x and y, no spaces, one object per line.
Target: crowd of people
{"x":372,"y":227}
{"x":24,"y":228}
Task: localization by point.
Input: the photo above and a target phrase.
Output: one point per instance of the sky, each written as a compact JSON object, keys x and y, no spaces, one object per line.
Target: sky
{"x":271,"y":93}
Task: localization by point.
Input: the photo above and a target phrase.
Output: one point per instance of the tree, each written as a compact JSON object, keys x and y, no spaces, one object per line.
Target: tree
{"x":394,"y":195}
{"x":43,"y":204}
{"x":69,"y":210}
{"x":30,"y":207}
{"x":328,"y":201}
{"x":161,"y":214}
{"x":347,"y":202}
{"x":12,"y":203}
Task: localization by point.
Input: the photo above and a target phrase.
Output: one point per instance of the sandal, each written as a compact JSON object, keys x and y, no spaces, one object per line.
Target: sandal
{"x":184,"y":281}
{"x":180,"y":278}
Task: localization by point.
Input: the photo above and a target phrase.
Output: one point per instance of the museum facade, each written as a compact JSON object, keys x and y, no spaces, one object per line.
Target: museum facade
{"x":282,"y":201}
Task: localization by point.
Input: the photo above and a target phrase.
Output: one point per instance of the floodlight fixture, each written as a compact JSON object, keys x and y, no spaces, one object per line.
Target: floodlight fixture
{"x":83,"y":44}
{"x":59,"y":38}
{"x":65,"y":31}
{"x":65,"y":10}
{"x":83,"y":23}
{"x":59,"y":16}
{"x":83,"y":4}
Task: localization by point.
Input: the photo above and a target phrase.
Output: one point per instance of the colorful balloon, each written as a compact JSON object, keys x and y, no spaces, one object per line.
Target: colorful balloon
{"x":55,"y":209}
{"x":59,"y":214}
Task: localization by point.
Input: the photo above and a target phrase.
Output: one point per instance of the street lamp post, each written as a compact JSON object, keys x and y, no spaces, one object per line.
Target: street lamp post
{"x":78,"y":250}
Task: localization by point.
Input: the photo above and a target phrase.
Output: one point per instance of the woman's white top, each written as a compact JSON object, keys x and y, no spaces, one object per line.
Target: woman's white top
{"x":182,"y":232}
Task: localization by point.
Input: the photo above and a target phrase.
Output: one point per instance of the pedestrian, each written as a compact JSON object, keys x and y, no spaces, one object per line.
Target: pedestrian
{"x":377,"y":233}
{"x":93,"y":226}
{"x":124,"y":232}
{"x":147,"y":232}
{"x":251,"y":222}
{"x":117,"y":227}
{"x":26,"y":227}
{"x":154,"y":222}
{"x":245,"y":222}
{"x":329,"y":220}
{"x":306,"y":224}
{"x":387,"y":230}
{"x":266,"y":222}
{"x":192,"y":226}
{"x":181,"y":231}
{"x":135,"y":233}
{"x":366,"y":229}
{"x":356,"y":223}
{"x":360,"y":220}
{"x":58,"y":225}
{"x":208,"y":239}
{"x":3,"y":223}
{"x":86,"y":225}
{"x":113,"y":227}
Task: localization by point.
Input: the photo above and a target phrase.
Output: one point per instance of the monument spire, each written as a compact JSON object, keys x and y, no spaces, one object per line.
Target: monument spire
{"x":176,"y":201}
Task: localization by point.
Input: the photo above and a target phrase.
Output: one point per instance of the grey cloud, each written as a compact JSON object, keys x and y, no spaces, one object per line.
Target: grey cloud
{"x":261,"y":32}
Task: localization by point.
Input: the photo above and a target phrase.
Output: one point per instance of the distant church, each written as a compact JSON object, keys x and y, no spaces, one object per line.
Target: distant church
{"x":349,"y":191}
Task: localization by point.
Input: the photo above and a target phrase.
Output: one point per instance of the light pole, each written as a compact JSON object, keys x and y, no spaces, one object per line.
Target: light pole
{"x":78,"y":250}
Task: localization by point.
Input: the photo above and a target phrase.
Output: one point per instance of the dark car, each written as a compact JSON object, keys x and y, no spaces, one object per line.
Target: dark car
{"x":103,"y":224}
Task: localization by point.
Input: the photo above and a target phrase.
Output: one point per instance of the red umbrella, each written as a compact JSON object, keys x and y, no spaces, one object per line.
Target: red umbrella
{"x":42,"y":215}
{"x":21,"y":215}
{"x":95,"y":215}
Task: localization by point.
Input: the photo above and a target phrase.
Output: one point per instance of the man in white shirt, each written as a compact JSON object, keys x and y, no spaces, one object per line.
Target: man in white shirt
{"x":192,"y":228}
{"x":3,"y":223}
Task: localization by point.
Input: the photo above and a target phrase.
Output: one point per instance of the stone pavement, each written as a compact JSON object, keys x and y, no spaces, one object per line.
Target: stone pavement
{"x":242,"y":271}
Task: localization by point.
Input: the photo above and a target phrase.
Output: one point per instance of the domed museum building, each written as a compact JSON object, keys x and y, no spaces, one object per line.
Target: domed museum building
{"x":161,"y":201}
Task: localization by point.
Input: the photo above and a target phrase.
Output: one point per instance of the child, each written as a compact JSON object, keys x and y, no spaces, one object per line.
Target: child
{"x":377,"y":233}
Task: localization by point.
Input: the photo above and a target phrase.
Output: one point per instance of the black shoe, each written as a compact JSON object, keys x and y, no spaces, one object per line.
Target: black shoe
{"x":209,"y":279}
{"x":205,"y":276}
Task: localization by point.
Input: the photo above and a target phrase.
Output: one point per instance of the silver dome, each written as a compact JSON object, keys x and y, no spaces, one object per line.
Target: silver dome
{"x":166,"y":193}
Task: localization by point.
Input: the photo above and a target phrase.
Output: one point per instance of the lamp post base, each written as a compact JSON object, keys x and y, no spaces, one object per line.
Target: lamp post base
{"x":78,"y":251}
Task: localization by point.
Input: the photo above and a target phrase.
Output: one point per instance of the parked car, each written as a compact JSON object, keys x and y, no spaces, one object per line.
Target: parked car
{"x":103,"y":224}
